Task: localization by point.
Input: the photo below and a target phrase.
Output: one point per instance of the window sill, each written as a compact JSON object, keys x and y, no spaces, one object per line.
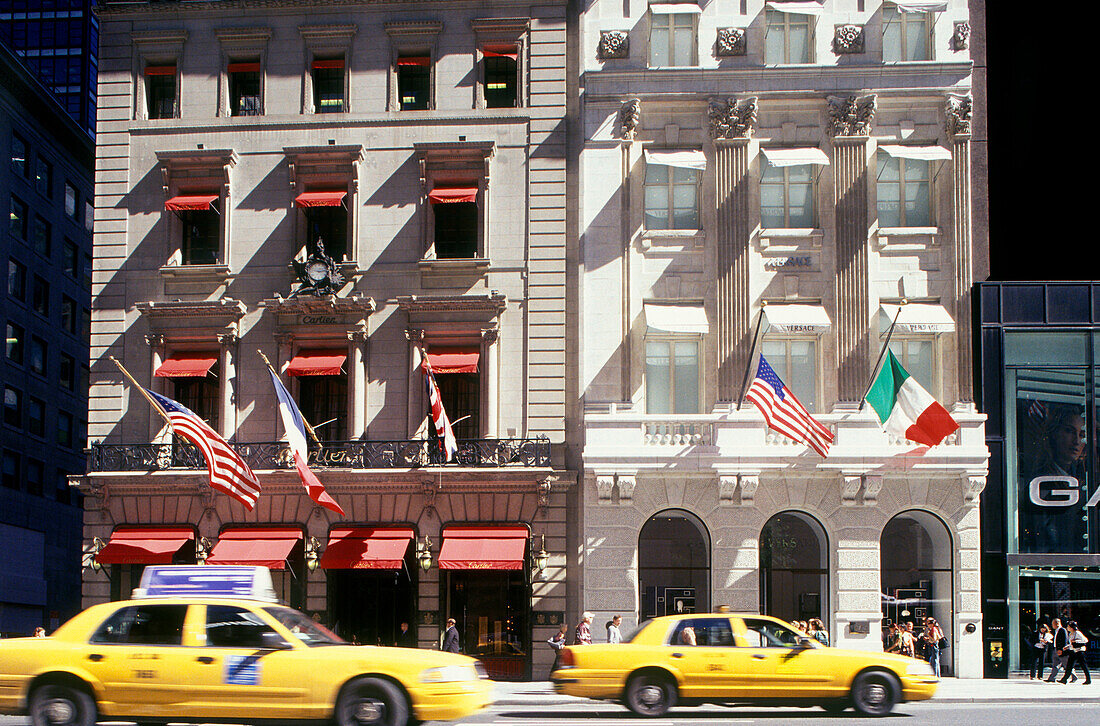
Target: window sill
{"x":791,"y":234}
{"x":923,"y":236}
{"x":449,"y":266}
{"x":668,"y":239}
{"x":197,"y":273}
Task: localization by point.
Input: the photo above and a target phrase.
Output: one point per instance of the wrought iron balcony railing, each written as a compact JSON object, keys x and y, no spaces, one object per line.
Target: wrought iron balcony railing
{"x":478,"y":453}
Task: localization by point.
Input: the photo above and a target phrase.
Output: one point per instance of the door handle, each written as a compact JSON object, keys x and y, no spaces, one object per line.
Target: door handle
{"x":677,"y":655}
{"x":758,"y":656}
{"x":205,"y":659}
{"x":95,"y":657}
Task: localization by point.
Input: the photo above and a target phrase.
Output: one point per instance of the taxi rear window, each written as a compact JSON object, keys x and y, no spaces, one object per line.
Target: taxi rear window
{"x":304,"y":629}
{"x":143,"y":625}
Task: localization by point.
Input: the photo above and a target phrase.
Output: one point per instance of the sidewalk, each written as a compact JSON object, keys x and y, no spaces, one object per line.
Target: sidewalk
{"x":951,"y":690}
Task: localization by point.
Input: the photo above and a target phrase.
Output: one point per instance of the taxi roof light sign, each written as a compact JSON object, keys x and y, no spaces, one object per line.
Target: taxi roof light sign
{"x":238,"y":581}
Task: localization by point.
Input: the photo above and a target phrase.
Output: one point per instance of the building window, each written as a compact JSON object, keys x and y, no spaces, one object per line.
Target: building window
{"x":414,"y":81}
{"x":918,"y":358}
{"x":17,"y":280}
{"x":13,"y":346}
{"x":244,"y":88}
{"x":161,"y":98}
{"x":40,"y":300}
{"x":461,"y":394}
{"x":795,"y":362}
{"x":906,"y":36}
{"x":13,"y":407}
{"x":43,"y":177}
{"x":671,"y":376}
{"x":66,"y":372}
{"x":671,"y":197}
{"x":11,"y":469}
{"x":19,"y":163}
{"x":63,"y":493}
{"x":455,"y":216}
{"x":36,"y":355}
{"x":672,"y":39}
{"x":904,"y":191}
{"x":326,"y":218}
{"x":71,"y":208}
{"x":788,"y":38}
{"x":42,"y":237}
{"x":36,"y":416}
{"x":70,"y":254}
{"x":787,"y":197}
{"x":35,"y":474}
{"x":501,"y":72}
{"x":200,"y":394}
{"x":89,"y":216}
{"x":324,"y":403}
{"x":17,"y":224}
{"x":328,"y":85}
{"x":68,"y":315}
{"x":64,"y":429}
{"x":201,"y":228}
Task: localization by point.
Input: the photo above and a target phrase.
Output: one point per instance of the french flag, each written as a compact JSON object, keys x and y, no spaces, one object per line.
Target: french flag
{"x":296,"y":436}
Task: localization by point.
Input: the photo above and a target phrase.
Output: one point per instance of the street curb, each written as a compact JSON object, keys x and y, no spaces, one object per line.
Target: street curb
{"x":549,"y":701}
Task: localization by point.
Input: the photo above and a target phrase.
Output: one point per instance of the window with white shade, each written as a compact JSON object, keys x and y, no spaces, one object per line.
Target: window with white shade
{"x":671,"y":191}
{"x":906,"y":36}
{"x":671,"y":376}
{"x":794,"y":360}
{"x":787,"y":196}
{"x":917,"y":356}
{"x":672,"y":35}
{"x":788,"y":37}
{"x":904,"y":191}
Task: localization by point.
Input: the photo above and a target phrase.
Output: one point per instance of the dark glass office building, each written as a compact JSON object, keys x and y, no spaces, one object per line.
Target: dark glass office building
{"x":1039,"y":376}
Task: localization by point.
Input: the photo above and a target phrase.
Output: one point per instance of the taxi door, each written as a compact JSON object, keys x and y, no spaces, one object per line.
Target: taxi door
{"x":242,"y":667}
{"x":700,"y":648}
{"x":772,"y":663}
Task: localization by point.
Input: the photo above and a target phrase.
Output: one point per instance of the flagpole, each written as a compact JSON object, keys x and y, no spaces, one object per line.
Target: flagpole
{"x":312,"y":433}
{"x":881,"y":355}
{"x":141,"y":388}
{"x":752,"y":354}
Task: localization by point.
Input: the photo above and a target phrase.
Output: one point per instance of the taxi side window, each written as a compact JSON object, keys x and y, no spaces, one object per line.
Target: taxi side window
{"x":234,"y":627}
{"x":143,"y":625}
{"x":766,"y":634}
{"x":707,"y":631}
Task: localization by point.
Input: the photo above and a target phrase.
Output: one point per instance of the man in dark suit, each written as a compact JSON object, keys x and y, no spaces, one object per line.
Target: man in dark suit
{"x":1061,"y":652}
{"x":405,"y":637}
{"x":450,"y":637}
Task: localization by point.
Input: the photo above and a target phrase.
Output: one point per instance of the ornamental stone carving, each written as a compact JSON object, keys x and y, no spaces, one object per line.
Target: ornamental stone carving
{"x":630,"y":116}
{"x":849,"y":493}
{"x":749,"y":485}
{"x":727,"y":488}
{"x":614,"y":44}
{"x":872,"y":485}
{"x":626,"y":488}
{"x":605,"y":487}
{"x":959,"y":110}
{"x":960,"y":39}
{"x":851,"y":115}
{"x":729,"y":118}
{"x":731,"y":42}
{"x":973,"y":486}
{"x":847,"y":39}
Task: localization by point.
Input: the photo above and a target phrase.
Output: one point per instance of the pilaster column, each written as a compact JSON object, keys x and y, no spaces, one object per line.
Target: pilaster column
{"x":357,"y":383}
{"x":958,"y":127}
{"x":227,"y":415}
{"x":734,"y":230}
{"x":158,"y":349}
{"x":416,"y":411}
{"x":852,"y":280}
{"x":491,"y":379}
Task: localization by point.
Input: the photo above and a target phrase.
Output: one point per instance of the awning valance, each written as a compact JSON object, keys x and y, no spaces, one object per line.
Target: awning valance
{"x":454,"y":359}
{"x":804,"y":156}
{"x":675,"y":9}
{"x":331,"y":198}
{"x":366,"y":548}
{"x":414,"y":60}
{"x":923,"y":153}
{"x":139,"y":546}
{"x":920,"y":6}
{"x":327,"y":64}
{"x":257,"y":547}
{"x":669,"y":318}
{"x":160,"y":70}
{"x":248,"y":67}
{"x":799,"y":7}
{"x":917,"y":318}
{"x":500,"y":51}
{"x":317,"y":363}
{"x":187,"y":365}
{"x":191,"y":202}
{"x":483,"y":548}
{"x":797,"y":319}
{"x":450,"y":195}
{"x":682,"y":159}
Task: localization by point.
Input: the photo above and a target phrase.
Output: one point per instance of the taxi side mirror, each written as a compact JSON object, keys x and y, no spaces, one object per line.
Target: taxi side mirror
{"x":804,"y":643}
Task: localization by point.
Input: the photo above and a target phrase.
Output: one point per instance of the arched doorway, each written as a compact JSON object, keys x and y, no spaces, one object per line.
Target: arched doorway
{"x":916,"y":580}
{"x":794,"y":568}
{"x":673,"y":564}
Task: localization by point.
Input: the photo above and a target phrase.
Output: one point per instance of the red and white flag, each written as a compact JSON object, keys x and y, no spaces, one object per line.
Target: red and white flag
{"x":229,"y":473}
{"x":439,"y":414}
{"x":784,"y":413}
{"x":296,"y":436}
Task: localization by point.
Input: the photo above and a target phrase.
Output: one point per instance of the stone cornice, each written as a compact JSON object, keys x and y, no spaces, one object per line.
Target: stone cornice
{"x":120,"y":9}
{"x":493,"y":302}
{"x":161,"y":311}
{"x":356,"y":302}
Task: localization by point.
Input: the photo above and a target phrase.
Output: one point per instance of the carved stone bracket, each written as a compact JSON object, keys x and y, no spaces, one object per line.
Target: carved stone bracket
{"x":429,"y":487}
{"x":872,"y":485}
{"x":155,"y":340}
{"x":851,"y":115}
{"x":414,"y":335}
{"x":959,"y":110}
{"x":489,"y":336}
{"x":614,"y":44}
{"x":731,"y":42}
{"x":973,"y":486}
{"x":848,"y":39}
{"x":229,"y":338}
{"x":727,"y":489}
{"x":849,"y":493}
{"x":626,"y":488}
{"x":543,"y":489}
{"x":749,"y":484}
{"x":960,"y":38}
{"x":630,"y":116}
{"x":605,"y":488}
{"x":728,"y":118}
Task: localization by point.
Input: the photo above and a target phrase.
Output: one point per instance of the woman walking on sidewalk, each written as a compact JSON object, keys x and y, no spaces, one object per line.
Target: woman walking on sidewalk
{"x":1076,"y":648}
{"x":933,"y":638}
{"x":1041,"y":642}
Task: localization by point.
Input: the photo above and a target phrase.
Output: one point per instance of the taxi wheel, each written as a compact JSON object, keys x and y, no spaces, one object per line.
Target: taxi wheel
{"x":61,"y":705}
{"x":650,"y":695}
{"x":874,"y":693}
{"x":371,"y":702}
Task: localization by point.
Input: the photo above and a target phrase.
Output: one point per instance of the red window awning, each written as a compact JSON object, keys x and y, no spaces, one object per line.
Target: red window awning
{"x":451,"y":195}
{"x":483,"y":548}
{"x":160,"y":70}
{"x":414,"y":60}
{"x":317,"y":363}
{"x":500,"y":51}
{"x":137,"y":546}
{"x":366,"y":548}
{"x":256,"y":547}
{"x":187,"y":365}
{"x":330,"y":63}
{"x":249,"y":67}
{"x":191,"y":202}
{"x":454,"y":360}
{"x":333,"y":198}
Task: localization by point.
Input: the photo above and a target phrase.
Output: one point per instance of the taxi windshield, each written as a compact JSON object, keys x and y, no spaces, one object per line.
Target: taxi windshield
{"x":309,"y":632}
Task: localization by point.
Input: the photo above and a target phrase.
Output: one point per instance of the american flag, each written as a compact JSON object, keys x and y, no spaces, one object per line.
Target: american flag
{"x":783,"y":412}
{"x":439,"y":414}
{"x":228,"y":472}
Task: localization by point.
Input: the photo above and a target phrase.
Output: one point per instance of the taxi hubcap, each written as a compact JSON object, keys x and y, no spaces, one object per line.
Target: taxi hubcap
{"x":60,"y":711}
{"x":650,"y":695}
{"x":369,"y":711}
{"x":874,"y":694}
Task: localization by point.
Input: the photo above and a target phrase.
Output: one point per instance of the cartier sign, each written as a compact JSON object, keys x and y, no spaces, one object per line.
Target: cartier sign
{"x":317,"y":320}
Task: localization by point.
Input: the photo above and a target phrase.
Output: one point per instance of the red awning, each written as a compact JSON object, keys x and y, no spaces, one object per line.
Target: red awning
{"x":327,"y":64}
{"x":187,"y":365}
{"x":252,"y":67}
{"x":194,"y":202}
{"x":454,"y":360}
{"x":483,"y":548}
{"x":136,"y":546}
{"x":414,"y":60}
{"x":332,"y":198}
{"x":317,"y":363}
{"x":500,"y":51}
{"x":450,"y":195}
{"x":160,"y":70}
{"x":258,"y":547}
{"x":366,"y":548}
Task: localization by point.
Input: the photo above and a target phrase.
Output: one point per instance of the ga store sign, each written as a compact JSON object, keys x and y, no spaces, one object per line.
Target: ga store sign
{"x":1059,"y":491}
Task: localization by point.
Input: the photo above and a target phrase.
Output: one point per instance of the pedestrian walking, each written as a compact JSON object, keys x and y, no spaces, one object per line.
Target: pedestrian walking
{"x":450,"y":637}
{"x":1040,"y":639}
{"x":818,"y":632}
{"x":1078,"y":643}
{"x":613,"y":634}
{"x":1061,"y":655}
{"x":892,"y":641}
{"x":933,"y":642}
{"x":908,"y":642}
{"x":583,"y":634}
{"x":405,"y":637}
{"x":558,"y":644}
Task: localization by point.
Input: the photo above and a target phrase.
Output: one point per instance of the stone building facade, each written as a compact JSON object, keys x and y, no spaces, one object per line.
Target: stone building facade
{"x":425,"y":148}
{"x":777,"y":177}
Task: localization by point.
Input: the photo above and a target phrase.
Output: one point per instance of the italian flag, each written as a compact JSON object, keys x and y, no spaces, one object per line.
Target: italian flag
{"x":905,"y":408}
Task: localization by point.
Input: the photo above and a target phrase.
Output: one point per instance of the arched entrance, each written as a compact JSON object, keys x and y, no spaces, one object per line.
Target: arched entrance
{"x":794,"y":568}
{"x":915,"y":560}
{"x":673,"y":564}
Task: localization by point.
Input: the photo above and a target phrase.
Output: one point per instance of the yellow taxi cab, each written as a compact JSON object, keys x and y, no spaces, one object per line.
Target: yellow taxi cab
{"x":211,"y":644}
{"x":751,"y":659}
